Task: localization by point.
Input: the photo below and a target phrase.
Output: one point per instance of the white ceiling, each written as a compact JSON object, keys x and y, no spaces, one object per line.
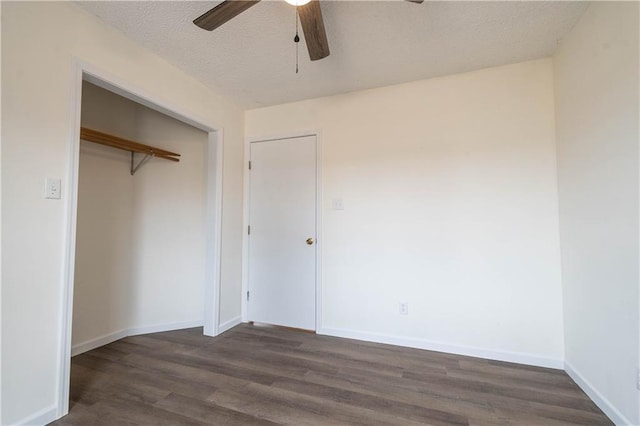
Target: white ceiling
{"x":251,"y":59}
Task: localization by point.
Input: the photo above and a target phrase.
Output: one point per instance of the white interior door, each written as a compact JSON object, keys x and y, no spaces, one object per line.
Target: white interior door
{"x":282,"y":238}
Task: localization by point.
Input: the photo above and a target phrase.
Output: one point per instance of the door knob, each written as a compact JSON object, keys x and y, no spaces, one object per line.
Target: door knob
{"x":309,"y":241}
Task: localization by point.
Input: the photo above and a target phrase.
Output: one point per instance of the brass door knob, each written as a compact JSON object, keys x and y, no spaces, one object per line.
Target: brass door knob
{"x":309,"y":241}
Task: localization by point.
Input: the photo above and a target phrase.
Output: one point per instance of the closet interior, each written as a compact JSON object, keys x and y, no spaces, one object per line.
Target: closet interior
{"x":140,"y":237}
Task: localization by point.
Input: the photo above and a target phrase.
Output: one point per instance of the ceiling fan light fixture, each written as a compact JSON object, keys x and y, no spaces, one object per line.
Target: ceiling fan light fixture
{"x":297,"y":2}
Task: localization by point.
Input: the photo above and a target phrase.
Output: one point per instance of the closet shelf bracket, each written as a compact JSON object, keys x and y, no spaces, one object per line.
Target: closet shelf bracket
{"x":135,"y":167}
{"x":127,"y":145}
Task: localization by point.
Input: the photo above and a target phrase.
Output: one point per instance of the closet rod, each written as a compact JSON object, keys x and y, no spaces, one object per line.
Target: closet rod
{"x":127,"y":145}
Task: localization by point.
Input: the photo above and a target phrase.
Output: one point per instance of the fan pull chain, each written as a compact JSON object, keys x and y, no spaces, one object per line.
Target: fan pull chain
{"x":296,"y":40}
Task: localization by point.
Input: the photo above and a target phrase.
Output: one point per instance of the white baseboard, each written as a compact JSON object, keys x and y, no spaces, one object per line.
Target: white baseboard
{"x":158,"y":328}
{"x":412,"y":342}
{"x":228,"y":325}
{"x":98,"y":341}
{"x":135,"y":331}
{"x":603,"y":403}
{"x":42,"y":417}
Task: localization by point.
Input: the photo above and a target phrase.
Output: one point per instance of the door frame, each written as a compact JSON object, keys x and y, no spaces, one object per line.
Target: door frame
{"x":246,"y":209}
{"x":84,"y":71}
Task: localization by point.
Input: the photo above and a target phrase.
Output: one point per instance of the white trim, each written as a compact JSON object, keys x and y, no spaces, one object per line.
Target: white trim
{"x":603,"y":403}
{"x":83,"y":347}
{"x":84,"y":71}
{"x":289,"y":135}
{"x":245,"y":217}
{"x":245,"y":237}
{"x":228,"y":325}
{"x":319,"y":232}
{"x":42,"y":417}
{"x":213,"y":232}
{"x":159,"y":328}
{"x":69,"y":249}
{"x":115,"y":84}
{"x":412,"y":342}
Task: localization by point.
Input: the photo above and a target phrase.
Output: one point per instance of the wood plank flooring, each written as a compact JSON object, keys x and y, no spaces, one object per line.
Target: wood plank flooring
{"x":266,"y":375}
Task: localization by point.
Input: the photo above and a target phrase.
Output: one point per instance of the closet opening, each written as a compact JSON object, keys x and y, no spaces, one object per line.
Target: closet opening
{"x":144,"y":220}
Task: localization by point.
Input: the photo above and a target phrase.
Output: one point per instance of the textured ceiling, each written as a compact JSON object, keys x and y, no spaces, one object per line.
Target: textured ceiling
{"x":251,"y":59}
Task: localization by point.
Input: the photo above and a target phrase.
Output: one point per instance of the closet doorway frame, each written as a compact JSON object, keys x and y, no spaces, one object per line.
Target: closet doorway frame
{"x":84,"y":71}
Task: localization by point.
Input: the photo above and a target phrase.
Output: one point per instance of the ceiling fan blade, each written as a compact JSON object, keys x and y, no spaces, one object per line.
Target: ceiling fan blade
{"x":222,"y":13}
{"x":415,"y":1}
{"x":313,"y":27}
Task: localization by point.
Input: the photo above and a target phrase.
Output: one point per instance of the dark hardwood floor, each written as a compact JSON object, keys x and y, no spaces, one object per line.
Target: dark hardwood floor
{"x":266,"y":375}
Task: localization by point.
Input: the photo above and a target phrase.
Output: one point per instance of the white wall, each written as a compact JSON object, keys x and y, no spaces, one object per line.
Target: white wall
{"x":0,"y":222}
{"x":450,"y":204}
{"x":104,"y":225}
{"x":169,"y":229}
{"x":103,"y":248}
{"x":141,"y":239}
{"x":596,"y":85}
{"x":39,"y":41}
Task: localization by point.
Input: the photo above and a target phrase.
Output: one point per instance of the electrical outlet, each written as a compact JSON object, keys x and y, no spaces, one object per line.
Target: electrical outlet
{"x":404,"y":308}
{"x":337,"y":204}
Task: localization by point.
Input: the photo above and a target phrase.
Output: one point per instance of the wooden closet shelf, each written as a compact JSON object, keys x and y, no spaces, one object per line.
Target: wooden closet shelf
{"x":126,"y":144}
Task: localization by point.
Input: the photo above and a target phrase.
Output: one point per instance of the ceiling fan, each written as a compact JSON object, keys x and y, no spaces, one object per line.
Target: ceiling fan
{"x":308,"y":11}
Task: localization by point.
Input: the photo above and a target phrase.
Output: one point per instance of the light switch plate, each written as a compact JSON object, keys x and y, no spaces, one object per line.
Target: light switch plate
{"x":52,"y":188}
{"x":337,"y":204}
